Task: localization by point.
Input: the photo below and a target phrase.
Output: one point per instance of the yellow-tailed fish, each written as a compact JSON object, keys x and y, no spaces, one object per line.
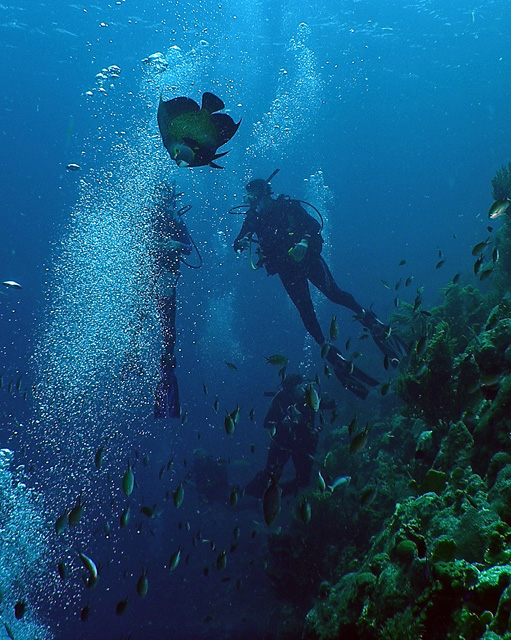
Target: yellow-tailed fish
{"x":498,"y":208}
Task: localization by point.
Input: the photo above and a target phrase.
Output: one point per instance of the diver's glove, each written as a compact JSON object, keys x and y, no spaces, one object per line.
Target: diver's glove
{"x":299,"y":250}
{"x":391,"y":345}
{"x":240,"y":244}
{"x":350,"y":376}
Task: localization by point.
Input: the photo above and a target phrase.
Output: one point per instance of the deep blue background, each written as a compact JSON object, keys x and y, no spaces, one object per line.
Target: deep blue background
{"x":414,"y":121}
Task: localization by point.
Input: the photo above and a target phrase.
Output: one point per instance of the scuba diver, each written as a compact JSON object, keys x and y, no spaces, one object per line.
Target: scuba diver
{"x":171,"y":241}
{"x":295,"y":436}
{"x":290,"y":245}
{"x":209,"y":476}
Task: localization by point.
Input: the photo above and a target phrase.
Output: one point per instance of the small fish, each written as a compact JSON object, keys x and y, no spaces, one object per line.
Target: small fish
{"x":398,"y":284}
{"x":359,"y":440}
{"x":121,"y":606}
{"x":19,"y":609}
{"x":204,"y":388}
{"x":76,"y":513}
{"x":178,"y":496}
{"x":89,"y":564}
{"x":495,"y":255}
{"x":148,"y":512}
{"x":327,"y":371}
{"x":485,"y":273}
{"x":385,"y":388}
{"x":142,"y":584}
{"x":408,"y":281}
{"x":184,"y":418}
{"x":216,"y":405}
{"x":8,"y":630}
{"x":174,"y":559}
{"x":305,"y":511}
{"x":339,"y":482}
{"x":125,"y":517}
{"x":386,"y":284}
{"x":386,"y":362}
{"x":233,"y":497}
{"x":347,"y":344}
{"x":85,"y":613}
{"x":334,"y":329}
{"x":456,"y":278}
{"x":421,"y":344}
{"x":61,"y":523}
{"x":251,"y":415}
{"x":312,"y":398}
{"x":321,"y":483}
{"x":490,"y":229}
{"x":352,"y":425}
{"x":401,"y":263}
{"x":272,"y":501}
{"x":498,"y":208}
{"x":98,"y":457}
{"x":477,"y":264}
{"x":231,"y":366}
{"x":479,"y":247}
{"x":62,"y":570}
{"x":229,"y":425}
{"x":73,"y":167}
{"x":221,"y":561}
{"x":439,"y":264}
{"x":128,"y":481}
{"x":277,"y":360}
{"x":11,"y":284}
{"x":325,"y":348}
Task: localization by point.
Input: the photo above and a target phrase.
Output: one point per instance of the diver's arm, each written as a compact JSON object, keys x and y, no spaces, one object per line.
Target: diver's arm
{"x":274,"y":415}
{"x":244,"y":236}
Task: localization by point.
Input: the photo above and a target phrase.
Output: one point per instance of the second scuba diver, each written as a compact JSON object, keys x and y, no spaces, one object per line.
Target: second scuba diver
{"x":171,"y":241}
{"x":290,"y":245}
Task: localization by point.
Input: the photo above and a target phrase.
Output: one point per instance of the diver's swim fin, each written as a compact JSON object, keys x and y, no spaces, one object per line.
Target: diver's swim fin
{"x":350,"y":376}
{"x":166,"y":401}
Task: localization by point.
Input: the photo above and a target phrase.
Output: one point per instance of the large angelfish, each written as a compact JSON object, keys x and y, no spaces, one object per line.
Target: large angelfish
{"x":192,"y":134}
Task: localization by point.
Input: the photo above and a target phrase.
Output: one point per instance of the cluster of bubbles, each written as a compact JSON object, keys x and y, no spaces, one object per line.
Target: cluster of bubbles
{"x":295,"y":106}
{"x":23,"y":549}
{"x":101,"y":312}
{"x":105,"y":79}
{"x":156,"y":62}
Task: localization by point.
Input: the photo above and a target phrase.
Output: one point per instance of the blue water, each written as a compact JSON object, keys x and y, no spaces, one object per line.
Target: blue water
{"x":391,"y":119}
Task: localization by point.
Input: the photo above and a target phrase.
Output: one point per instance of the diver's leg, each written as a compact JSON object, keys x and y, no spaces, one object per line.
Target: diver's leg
{"x":321,"y":277}
{"x":167,"y":312}
{"x":303,"y":455}
{"x":167,"y":391}
{"x":297,"y":288}
{"x":278,"y":455}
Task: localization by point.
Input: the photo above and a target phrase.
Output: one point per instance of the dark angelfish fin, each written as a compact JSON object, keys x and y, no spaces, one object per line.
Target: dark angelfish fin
{"x":226,"y":127}
{"x":215,"y":157}
{"x":168,"y":111}
{"x":211,"y":103}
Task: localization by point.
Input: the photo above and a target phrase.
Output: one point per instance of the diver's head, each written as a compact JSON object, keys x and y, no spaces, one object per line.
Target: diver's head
{"x":291,"y":381}
{"x":166,"y":195}
{"x":257,"y":190}
{"x":182,"y":154}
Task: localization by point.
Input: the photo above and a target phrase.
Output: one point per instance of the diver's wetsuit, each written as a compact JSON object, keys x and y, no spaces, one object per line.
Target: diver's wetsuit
{"x":295,"y":437}
{"x":279,"y":229}
{"x":167,"y":265}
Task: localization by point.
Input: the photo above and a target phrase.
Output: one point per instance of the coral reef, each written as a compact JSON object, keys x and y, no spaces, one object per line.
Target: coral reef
{"x":501,"y":183}
{"x":430,"y":557}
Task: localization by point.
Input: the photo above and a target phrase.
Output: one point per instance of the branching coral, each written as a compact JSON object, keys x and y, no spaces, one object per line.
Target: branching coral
{"x":501,"y":183}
